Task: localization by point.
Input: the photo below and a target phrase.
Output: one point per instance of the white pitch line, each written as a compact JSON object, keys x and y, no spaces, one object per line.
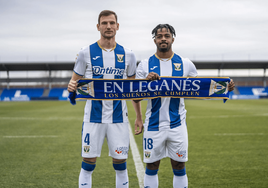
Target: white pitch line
{"x":39,"y":118}
{"x":227,"y":116}
{"x":34,"y":136}
{"x":238,"y":134}
{"x":137,"y":158}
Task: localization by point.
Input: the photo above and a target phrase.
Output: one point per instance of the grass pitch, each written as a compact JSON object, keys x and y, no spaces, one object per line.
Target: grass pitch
{"x":40,"y":145}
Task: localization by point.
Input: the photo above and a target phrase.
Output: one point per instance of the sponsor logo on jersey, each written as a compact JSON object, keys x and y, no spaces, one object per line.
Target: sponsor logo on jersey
{"x":177,"y":66}
{"x":97,"y":70}
{"x":120,"y":58}
{"x":181,"y":154}
{"x":122,"y":150}
{"x":86,"y":149}
{"x":147,"y":154}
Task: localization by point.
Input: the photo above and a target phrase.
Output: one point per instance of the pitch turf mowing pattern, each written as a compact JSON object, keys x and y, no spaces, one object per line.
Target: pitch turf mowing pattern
{"x":228,"y":144}
{"x":40,"y":145}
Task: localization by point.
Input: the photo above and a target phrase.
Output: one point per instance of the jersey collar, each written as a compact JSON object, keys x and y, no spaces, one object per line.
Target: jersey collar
{"x":163,"y":59}
{"x":106,"y":49}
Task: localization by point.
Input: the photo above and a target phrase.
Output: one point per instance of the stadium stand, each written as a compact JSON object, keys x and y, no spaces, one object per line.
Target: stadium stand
{"x":52,"y":86}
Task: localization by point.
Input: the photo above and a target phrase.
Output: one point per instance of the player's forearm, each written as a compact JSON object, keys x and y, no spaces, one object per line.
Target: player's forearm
{"x":137,"y":108}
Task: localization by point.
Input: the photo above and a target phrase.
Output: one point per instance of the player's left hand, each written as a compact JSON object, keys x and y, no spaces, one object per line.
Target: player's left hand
{"x":138,"y":126}
{"x":231,"y":85}
{"x":153,"y":76}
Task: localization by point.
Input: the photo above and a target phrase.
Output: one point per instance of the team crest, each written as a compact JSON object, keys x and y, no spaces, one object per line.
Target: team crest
{"x":86,"y":149}
{"x":177,"y":66}
{"x":147,"y":154}
{"x":218,"y":87}
{"x":84,"y":88}
{"x":120,"y":58}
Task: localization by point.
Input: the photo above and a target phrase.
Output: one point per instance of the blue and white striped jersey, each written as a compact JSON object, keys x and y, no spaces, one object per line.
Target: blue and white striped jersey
{"x":95,"y":62}
{"x":165,"y":113}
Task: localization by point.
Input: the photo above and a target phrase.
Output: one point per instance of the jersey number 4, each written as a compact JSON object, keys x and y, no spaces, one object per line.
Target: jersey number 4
{"x":87,"y":140}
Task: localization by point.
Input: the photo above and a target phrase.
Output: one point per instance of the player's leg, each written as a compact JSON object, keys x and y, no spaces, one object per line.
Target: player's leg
{"x":154,"y":149}
{"x":121,"y":173}
{"x":118,"y":143}
{"x":93,"y":135}
{"x":180,"y":179}
{"x":151,"y":174}
{"x":177,"y":146}
{"x":85,"y":176}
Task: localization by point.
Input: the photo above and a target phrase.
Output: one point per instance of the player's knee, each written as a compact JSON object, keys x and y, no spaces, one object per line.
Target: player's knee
{"x":120,"y":164}
{"x":153,"y":166}
{"x":177,"y":165}
{"x":88,"y":164}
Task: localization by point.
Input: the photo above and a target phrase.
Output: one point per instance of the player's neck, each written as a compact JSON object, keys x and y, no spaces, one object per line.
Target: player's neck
{"x":107,"y":43}
{"x":164,"y":55}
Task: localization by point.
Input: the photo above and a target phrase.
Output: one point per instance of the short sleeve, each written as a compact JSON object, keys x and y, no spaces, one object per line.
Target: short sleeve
{"x":80,"y":63}
{"x":131,"y":71}
{"x":191,"y":68}
{"x":140,"y":73}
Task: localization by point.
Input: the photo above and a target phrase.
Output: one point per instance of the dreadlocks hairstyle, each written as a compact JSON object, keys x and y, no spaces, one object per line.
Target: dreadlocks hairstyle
{"x":161,"y":26}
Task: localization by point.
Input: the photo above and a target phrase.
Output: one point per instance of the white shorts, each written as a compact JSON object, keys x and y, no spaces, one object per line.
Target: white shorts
{"x":172,"y":143}
{"x":117,"y":135}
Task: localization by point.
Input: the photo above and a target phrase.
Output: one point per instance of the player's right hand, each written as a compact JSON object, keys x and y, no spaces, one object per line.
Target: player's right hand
{"x":153,"y":76}
{"x":72,"y":86}
{"x":138,"y":126}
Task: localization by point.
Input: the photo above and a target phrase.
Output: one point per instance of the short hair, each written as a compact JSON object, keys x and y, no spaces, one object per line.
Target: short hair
{"x":161,"y":26}
{"x":106,"y":13}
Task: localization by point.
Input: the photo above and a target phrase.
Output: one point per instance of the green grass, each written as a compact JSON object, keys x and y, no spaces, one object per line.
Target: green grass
{"x":228,"y":145}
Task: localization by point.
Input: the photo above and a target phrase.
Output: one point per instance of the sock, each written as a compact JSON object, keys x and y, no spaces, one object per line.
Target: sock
{"x":180,"y":179}
{"x":121,"y":174}
{"x":85,"y":177}
{"x":151,"y":178}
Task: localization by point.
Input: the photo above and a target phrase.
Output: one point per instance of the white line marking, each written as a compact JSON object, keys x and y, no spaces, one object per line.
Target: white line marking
{"x":137,"y":158}
{"x":34,"y":136}
{"x":227,"y":116}
{"x":238,"y":134}
{"x":38,"y":118}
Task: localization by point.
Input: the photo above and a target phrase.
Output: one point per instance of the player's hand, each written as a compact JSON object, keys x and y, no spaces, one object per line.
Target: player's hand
{"x":138,"y":126}
{"x":153,"y":76}
{"x":72,"y":86}
{"x":231,"y":85}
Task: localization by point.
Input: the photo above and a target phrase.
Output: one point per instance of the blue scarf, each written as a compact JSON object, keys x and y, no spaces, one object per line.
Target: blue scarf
{"x":175,"y":87}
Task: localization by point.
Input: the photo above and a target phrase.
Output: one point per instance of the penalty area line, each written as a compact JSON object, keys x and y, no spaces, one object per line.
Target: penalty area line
{"x":33,"y":136}
{"x":137,"y":158}
{"x":238,"y":134}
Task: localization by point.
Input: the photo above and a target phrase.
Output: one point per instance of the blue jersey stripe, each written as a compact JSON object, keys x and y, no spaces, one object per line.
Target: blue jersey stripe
{"x":96,"y":106}
{"x":119,"y":54}
{"x":154,"y":66}
{"x":177,"y":66}
{"x":177,"y":70}
{"x":174,"y":115}
{"x":117,"y":112}
{"x":154,"y":119}
{"x":96,"y":58}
